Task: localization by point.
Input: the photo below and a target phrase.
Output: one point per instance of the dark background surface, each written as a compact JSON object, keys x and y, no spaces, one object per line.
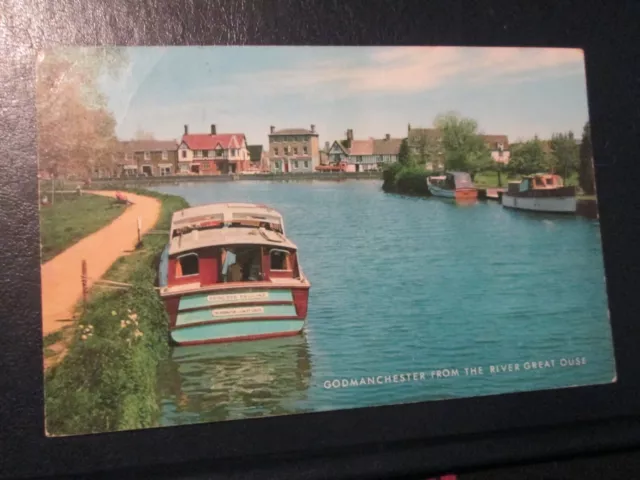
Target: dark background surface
{"x":381,"y":442}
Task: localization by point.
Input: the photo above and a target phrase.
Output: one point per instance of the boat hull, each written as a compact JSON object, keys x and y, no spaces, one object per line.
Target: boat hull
{"x":458,"y":194}
{"x":236,"y":314}
{"x":541,"y":204}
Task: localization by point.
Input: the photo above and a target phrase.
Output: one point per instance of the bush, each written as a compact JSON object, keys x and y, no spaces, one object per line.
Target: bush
{"x":107,"y":380}
{"x":410,"y":179}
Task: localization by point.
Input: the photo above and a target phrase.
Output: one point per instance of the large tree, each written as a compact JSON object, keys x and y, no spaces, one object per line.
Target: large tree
{"x":527,"y":158}
{"x":586,"y":176}
{"x":404,"y":156}
{"x":76,"y":132}
{"x":564,"y":154}
{"x":464,"y":149}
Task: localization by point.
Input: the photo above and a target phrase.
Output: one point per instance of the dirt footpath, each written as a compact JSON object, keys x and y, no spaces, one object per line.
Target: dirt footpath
{"x":61,"y":276}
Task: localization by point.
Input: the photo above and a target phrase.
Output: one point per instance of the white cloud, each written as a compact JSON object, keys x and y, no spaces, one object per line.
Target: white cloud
{"x":416,"y":69}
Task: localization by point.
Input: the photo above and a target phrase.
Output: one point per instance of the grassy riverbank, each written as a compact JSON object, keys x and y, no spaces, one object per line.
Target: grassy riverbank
{"x":107,"y":380}
{"x":71,"y":218}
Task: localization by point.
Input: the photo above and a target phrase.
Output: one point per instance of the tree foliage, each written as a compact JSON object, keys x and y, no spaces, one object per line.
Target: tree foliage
{"x":527,"y":158}
{"x":76,"y":131}
{"x":464,"y":149}
{"x":586,"y":176}
{"x":404,"y":156}
{"x":564,"y":157}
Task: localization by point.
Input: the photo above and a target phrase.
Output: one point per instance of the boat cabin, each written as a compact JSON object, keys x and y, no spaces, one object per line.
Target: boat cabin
{"x":452,"y":180}
{"x":228,"y":244}
{"x":539,"y":181}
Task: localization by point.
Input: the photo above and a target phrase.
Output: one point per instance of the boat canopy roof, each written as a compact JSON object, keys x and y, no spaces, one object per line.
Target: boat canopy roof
{"x":228,"y":237}
{"x":226,"y":213}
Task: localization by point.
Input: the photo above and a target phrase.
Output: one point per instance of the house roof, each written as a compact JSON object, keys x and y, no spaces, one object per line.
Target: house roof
{"x":206,"y":141}
{"x":255,"y":152}
{"x":361,"y":147}
{"x":385,"y":146}
{"x":495,"y":139}
{"x":293,"y":131}
{"x":148,"y":145}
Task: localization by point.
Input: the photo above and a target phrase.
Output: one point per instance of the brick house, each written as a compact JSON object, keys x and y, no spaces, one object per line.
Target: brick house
{"x":152,"y":158}
{"x":365,"y":155}
{"x":293,"y":150}
{"x":212,"y":153}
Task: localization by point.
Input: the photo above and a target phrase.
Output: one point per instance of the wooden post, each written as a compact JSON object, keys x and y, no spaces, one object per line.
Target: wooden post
{"x":139,"y":230}
{"x":53,"y":189}
{"x":85,"y":290}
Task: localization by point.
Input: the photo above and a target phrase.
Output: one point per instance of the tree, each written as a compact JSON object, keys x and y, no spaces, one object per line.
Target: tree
{"x":586,"y":176}
{"x":527,"y":158}
{"x":76,"y":132}
{"x":464,"y":149}
{"x":404,"y":156}
{"x":564,"y":154}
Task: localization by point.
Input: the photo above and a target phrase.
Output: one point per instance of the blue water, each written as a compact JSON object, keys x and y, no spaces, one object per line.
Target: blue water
{"x":403,"y":285}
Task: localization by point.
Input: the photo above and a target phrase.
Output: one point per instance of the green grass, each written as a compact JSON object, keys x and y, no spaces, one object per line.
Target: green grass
{"x":53,"y":338}
{"x":71,"y":218}
{"x":108,"y":379}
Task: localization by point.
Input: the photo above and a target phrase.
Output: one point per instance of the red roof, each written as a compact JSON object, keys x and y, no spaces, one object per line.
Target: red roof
{"x":206,"y":141}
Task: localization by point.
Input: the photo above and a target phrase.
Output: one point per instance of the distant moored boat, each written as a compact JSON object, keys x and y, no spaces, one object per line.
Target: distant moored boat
{"x":456,"y":185}
{"x":541,"y":192}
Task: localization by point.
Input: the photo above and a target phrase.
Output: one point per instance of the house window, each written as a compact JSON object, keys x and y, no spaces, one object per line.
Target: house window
{"x":198,"y":153}
{"x":359,"y":159}
{"x":147,"y":155}
{"x":127,"y":156}
{"x":234,"y":152}
{"x":212,"y":153}
{"x":500,"y":147}
{"x":275,"y":150}
{"x":295,"y":150}
{"x":205,"y":153}
{"x":306,"y":164}
{"x":164,"y":171}
{"x":219,"y":152}
{"x":280,"y":260}
{"x":295,"y":164}
{"x":305,"y":150}
{"x":187,"y":265}
{"x":165,"y":154}
{"x":184,"y":154}
{"x":286,"y":150}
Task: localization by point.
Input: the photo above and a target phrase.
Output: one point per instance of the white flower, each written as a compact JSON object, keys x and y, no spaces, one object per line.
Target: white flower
{"x":133,"y":316}
{"x":84,"y":337}
{"x":113,"y":313}
{"x":122,"y":324}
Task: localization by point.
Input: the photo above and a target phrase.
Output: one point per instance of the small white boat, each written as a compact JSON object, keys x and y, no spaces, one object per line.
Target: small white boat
{"x":457,"y":185}
{"x":541,"y":193}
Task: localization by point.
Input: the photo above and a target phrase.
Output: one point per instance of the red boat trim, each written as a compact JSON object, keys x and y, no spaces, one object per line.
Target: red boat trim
{"x":256,"y":303}
{"x":247,"y":338}
{"x":234,"y":320}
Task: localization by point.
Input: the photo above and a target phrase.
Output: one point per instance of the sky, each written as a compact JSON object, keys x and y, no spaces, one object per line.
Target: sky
{"x":519,"y":92}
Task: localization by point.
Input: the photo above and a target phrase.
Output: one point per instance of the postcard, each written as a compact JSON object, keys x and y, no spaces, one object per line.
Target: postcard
{"x":230,"y":233}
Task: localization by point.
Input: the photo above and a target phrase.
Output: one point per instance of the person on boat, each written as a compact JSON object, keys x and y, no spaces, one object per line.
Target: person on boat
{"x":228,"y":259}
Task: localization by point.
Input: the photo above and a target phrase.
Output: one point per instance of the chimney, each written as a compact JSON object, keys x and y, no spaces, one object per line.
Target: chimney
{"x":273,"y":129}
{"x":408,"y":128}
{"x":350,"y":134}
{"x":313,"y":128}
{"x":327,"y":146}
{"x":387,"y":137}
{"x":186,"y":129}
{"x":213,"y":129}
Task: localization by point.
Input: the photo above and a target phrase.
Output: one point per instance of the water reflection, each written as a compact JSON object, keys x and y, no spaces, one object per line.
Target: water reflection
{"x":236,"y":380}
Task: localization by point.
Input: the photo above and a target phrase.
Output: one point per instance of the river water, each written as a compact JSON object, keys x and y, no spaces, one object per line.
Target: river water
{"x":403,"y":285}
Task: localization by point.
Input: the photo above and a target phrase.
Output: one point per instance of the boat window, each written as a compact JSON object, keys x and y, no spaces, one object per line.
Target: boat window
{"x":280,"y":260}
{"x":187,"y":265}
{"x":549,"y":181}
{"x":540,"y":182}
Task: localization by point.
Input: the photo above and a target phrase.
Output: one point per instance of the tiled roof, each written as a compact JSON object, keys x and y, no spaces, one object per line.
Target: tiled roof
{"x":206,"y":141}
{"x":385,"y":146}
{"x":493,"y":140}
{"x":294,"y":131}
{"x":255,"y":152}
{"x":361,"y":147}
{"x":148,"y":145}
